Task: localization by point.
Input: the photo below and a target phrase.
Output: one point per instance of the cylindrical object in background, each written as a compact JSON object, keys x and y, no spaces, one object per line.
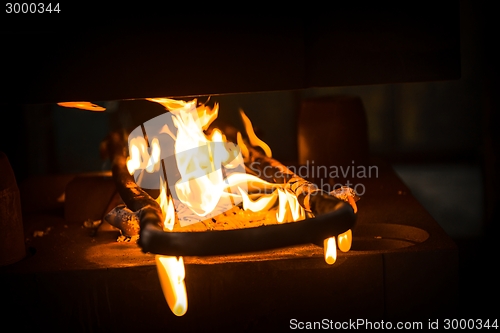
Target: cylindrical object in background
{"x":332,"y":131}
{"x":12,"y":245}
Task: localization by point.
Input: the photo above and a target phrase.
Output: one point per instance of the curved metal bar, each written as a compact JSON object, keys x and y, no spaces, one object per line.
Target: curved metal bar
{"x":261,"y":238}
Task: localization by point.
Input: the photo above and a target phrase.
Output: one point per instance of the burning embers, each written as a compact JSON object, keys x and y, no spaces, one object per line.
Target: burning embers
{"x":220,"y":192}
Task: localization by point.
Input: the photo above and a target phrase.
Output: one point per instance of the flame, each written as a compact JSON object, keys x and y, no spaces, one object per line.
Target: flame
{"x":352,"y":202}
{"x":198,"y":159}
{"x":134,"y":159}
{"x":154,"y":160}
{"x":281,"y":215}
{"x":139,"y":157}
{"x":211,"y":177}
{"x":264,"y":202}
{"x":171,"y":273}
{"x":345,"y":241}
{"x":243,"y":147}
{"x":254,"y":140}
{"x":82,"y":105}
{"x":167,"y":208}
{"x":212,"y":170}
{"x":330,"y":250}
{"x":289,"y":208}
{"x":205,"y":115}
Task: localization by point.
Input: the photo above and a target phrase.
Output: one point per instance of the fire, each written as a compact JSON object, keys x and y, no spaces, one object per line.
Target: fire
{"x":205,"y":177}
{"x":263,"y":202}
{"x":211,"y":170}
{"x":345,"y":241}
{"x":330,"y":250}
{"x":200,"y":158}
{"x":289,"y":210}
{"x":82,"y":105}
{"x":167,"y":208}
{"x":140,"y":158}
{"x":171,"y":273}
{"x":254,"y":140}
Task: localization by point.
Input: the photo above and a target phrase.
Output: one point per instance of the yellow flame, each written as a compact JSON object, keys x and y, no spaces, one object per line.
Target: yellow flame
{"x":289,"y":209}
{"x":330,"y":250}
{"x":170,"y":215}
{"x":281,"y":215}
{"x":171,"y":104}
{"x":212,"y":170}
{"x":171,"y":273}
{"x":243,"y":147}
{"x":265,"y":202}
{"x":140,"y":158}
{"x":202,"y":182}
{"x":210,"y":180}
{"x":205,"y":114}
{"x":206,"y":163}
{"x":133,"y":161}
{"x":209,"y":166}
{"x":298,"y":213}
{"x":222,"y":153}
{"x":345,"y":241}
{"x":254,"y":140}
{"x":82,"y":105}
{"x":167,"y":207}
{"x":154,"y":160}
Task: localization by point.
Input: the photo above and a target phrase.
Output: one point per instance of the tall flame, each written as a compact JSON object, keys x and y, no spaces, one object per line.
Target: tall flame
{"x":211,"y":170}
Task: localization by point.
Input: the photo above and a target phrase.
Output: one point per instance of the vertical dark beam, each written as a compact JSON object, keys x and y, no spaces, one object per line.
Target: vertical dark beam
{"x":477,"y":276}
{"x":491,"y":118}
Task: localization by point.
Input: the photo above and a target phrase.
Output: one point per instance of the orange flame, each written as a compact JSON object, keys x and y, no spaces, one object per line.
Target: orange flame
{"x":167,"y":208}
{"x":171,"y":273}
{"x":254,"y":140}
{"x":82,"y":105}
{"x":330,"y":250}
{"x":345,"y":241}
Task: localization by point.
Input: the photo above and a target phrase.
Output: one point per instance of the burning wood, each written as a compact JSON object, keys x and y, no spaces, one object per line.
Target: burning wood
{"x":297,"y":199}
{"x":218,"y":194}
{"x":137,"y":201}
